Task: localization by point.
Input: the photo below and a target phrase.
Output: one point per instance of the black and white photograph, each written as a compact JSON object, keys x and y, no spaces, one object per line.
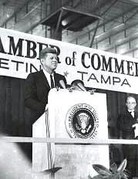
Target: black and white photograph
{"x":68,"y":89}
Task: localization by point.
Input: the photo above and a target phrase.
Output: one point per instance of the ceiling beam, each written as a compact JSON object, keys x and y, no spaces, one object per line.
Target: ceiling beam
{"x":14,"y":14}
{"x":135,"y":1}
{"x":113,"y":2}
{"x":132,"y":2}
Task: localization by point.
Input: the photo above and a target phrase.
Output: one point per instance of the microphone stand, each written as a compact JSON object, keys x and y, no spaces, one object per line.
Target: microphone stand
{"x":51,"y":169}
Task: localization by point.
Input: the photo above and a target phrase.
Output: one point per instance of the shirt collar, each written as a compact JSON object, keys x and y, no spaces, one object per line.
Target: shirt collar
{"x":47,"y":75}
{"x":131,"y":110}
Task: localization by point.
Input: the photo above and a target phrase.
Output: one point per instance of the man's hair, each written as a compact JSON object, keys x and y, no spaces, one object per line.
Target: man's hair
{"x":46,"y":51}
{"x":131,"y":96}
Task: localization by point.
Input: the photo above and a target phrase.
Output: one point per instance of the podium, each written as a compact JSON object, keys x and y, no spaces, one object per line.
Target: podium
{"x":75,"y":114}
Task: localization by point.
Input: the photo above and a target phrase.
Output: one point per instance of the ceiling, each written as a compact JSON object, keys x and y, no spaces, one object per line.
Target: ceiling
{"x":23,"y":15}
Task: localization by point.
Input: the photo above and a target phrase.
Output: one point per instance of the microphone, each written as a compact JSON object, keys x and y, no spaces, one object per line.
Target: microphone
{"x":62,"y":84}
{"x":80,"y":85}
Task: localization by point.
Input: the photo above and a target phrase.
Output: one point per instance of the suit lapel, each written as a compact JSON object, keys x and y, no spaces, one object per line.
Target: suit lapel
{"x":44,"y":80}
{"x":131,"y":117}
{"x":55,"y":78}
{"x":136,"y":116}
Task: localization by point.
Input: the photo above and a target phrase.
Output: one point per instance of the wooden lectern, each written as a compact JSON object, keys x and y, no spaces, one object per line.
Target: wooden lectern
{"x":75,"y":114}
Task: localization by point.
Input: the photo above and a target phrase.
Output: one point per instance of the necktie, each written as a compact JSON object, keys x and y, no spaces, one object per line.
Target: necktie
{"x":52,"y":81}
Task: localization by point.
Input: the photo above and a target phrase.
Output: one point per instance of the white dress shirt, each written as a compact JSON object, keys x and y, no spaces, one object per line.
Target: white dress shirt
{"x":48,"y":77}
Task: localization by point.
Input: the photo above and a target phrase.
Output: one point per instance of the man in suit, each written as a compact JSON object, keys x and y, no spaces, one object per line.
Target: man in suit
{"x":38,"y":85}
{"x":126,"y":122}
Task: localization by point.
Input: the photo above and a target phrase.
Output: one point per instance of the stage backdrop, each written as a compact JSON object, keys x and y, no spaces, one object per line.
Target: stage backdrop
{"x":78,"y":115}
{"x":19,"y":55}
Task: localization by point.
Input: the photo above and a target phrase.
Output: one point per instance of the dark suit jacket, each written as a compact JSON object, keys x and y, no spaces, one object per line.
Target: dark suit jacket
{"x":124,"y":124}
{"x":36,"y":93}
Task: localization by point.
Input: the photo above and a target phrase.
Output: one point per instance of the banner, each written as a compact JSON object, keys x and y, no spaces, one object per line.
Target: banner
{"x":19,"y":56}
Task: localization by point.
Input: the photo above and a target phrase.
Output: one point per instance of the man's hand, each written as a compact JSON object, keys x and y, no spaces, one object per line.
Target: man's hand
{"x":135,"y":126}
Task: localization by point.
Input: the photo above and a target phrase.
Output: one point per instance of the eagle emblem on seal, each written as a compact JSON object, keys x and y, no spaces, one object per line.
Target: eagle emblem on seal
{"x":82,"y":121}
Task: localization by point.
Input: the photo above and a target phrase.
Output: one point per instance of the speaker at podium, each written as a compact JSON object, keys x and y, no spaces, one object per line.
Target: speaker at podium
{"x":75,"y":114}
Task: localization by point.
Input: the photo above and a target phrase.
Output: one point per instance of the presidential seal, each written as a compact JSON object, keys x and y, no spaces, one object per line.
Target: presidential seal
{"x":82,"y":121}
